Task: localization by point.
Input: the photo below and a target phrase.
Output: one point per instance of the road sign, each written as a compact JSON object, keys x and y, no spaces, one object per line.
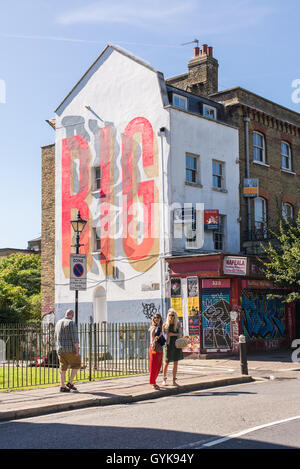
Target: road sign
{"x":77,"y":272}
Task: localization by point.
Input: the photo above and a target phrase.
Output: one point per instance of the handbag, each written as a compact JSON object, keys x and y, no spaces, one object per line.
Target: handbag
{"x":156,"y":347}
{"x":180,"y":343}
{"x":162,"y":340}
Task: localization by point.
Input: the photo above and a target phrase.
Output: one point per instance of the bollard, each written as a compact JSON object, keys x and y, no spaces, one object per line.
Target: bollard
{"x":243,"y":355}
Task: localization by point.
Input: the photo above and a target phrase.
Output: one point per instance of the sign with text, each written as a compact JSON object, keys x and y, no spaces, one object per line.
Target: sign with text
{"x":216,"y":283}
{"x":211,"y":219}
{"x":234,"y":265}
{"x":77,"y":272}
{"x":250,"y":187}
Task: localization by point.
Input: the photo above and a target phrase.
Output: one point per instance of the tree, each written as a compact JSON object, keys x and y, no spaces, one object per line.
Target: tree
{"x":283,"y":265}
{"x":20,"y":286}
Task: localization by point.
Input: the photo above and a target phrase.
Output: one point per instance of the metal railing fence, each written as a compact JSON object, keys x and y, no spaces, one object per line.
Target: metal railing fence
{"x":28,"y":356}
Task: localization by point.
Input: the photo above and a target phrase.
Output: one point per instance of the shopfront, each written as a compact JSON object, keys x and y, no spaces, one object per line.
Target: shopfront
{"x":220,"y":297}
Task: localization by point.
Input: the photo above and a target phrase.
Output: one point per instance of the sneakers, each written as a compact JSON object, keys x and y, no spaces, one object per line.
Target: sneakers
{"x":71,"y":387}
{"x":68,"y":387}
{"x":64,"y":389}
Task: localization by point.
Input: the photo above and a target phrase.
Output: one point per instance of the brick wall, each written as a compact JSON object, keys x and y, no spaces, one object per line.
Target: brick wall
{"x":48,"y":229}
{"x":276,"y":124}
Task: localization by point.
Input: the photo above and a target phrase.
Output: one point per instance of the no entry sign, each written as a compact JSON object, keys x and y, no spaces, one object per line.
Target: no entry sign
{"x":77,"y":272}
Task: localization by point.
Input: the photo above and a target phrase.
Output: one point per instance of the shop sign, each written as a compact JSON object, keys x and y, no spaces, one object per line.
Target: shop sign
{"x":235,"y":265}
{"x":211,"y":219}
{"x":216,"y":283}
{"x":258,"y":284}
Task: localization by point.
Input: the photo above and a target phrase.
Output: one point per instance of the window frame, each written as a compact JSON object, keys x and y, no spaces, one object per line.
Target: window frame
{"x":288,"y":156}
{"x":194,"y":171}
{"x":261,"y":225}
{"x":219,"y":235}
{"x":262,"y":148}
{"x":219,"y":176}
{"x":180,"y":98}
{"x":283,"y":212}
{"x":96,"y":180}
{"x":96,"y":240}
{"x":210,"y":108}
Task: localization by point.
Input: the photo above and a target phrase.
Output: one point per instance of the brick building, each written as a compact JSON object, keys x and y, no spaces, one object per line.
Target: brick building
{"x":269,"y":142}
{"x":48,"y":229}
{"x":269,"y":150}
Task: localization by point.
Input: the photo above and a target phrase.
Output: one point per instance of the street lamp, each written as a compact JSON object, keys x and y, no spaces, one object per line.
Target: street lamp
{"x":78,"y":225}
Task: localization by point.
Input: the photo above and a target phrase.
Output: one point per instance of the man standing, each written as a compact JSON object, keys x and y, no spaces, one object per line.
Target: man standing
{"x":67,"y":347}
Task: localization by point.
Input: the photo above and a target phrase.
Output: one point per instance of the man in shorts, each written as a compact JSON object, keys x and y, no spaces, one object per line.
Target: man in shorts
{"x":67,"y":347}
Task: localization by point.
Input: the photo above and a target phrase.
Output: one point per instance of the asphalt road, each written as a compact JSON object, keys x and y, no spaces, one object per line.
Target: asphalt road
{"x":263,"y":414}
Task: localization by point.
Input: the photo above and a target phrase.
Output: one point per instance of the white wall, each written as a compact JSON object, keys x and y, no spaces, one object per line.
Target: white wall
{"x":209,"y":140}
{"x":118,"y":90}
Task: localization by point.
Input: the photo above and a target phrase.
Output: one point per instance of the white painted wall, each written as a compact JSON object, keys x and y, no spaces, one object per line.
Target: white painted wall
{"x":117,"y":89}
{"x":209,"y":140}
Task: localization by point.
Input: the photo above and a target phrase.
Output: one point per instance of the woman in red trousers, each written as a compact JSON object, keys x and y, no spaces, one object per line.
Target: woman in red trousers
{"x":155,"y":357}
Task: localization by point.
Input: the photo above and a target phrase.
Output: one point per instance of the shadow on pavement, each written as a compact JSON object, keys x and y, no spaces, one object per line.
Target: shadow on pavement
{"x":28,"y":435}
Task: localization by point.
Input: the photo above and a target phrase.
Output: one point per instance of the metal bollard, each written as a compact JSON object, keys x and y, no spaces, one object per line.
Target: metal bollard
{"x":243,"y":355}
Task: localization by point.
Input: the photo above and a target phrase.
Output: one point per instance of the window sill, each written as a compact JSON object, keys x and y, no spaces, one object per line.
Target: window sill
{"x":193,"y":184}
{"x":261,"y":163}
{"x":225,"y":191}
{"x":288,"y":171}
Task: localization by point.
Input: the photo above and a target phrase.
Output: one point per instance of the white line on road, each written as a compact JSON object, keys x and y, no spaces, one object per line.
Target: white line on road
{"x":200,"y":443}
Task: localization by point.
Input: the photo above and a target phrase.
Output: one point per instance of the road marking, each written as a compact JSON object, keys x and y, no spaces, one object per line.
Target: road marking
{"x":200,"y":443}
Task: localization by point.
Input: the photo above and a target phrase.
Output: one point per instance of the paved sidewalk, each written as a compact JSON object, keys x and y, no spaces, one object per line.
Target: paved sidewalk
{"x":192,"y":375}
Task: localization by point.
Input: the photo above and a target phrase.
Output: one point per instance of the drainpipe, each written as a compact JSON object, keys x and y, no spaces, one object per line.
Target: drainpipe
{"x":246,"y":122}
{"x":162,"y":134}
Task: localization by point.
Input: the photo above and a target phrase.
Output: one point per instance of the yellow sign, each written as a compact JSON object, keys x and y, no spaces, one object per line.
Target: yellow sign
{"x":193,"y":306}
{"x":176,"y":303}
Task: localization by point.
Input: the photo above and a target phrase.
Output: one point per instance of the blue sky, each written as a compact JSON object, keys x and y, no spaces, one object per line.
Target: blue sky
{"x":46,"y":46}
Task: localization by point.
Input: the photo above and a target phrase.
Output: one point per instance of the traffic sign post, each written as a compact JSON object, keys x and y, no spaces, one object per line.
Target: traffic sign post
{"x":77,"y":272}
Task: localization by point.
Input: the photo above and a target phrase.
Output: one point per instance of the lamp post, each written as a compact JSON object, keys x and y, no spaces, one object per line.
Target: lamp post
{"x":78,"y":225}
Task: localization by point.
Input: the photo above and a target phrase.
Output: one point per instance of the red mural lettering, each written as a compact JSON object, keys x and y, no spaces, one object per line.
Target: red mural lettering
{"x":74,"y":148}
{"x":145,"y":189}
{"x":106,"y":192}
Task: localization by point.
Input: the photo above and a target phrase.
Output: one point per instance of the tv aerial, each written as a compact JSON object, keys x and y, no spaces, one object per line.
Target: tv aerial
{"x":196,"y":41}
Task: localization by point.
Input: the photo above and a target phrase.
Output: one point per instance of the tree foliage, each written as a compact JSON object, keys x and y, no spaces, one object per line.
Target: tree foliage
{"x":20,"y":287}
{"x":283,"y":265}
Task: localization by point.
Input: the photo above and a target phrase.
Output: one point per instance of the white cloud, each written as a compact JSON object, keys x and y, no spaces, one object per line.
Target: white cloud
{"x":46,"y":38}
{"x":200,"y":16}
{"x":130,"y":12}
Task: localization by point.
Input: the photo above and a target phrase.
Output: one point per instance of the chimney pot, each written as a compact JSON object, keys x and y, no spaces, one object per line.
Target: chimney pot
{"x":210,"y":51}
{"x":204,"y":48}
{"x":196,"y":51}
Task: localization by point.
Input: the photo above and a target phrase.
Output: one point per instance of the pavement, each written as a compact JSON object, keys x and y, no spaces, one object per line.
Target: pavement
{"x":193,"y":374}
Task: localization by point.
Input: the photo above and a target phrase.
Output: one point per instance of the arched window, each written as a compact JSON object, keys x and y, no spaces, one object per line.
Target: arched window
{"x":260,"y":217}
{"x":259,"y":147}
{"x":287,"y":211}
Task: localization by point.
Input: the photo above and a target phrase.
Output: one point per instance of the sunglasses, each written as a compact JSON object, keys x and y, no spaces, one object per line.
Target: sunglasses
{"x":172,"y":315}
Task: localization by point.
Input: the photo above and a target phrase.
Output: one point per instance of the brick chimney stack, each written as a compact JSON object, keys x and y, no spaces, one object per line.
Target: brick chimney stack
{"x":203,"y":71}
{"x":202,"y":77}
